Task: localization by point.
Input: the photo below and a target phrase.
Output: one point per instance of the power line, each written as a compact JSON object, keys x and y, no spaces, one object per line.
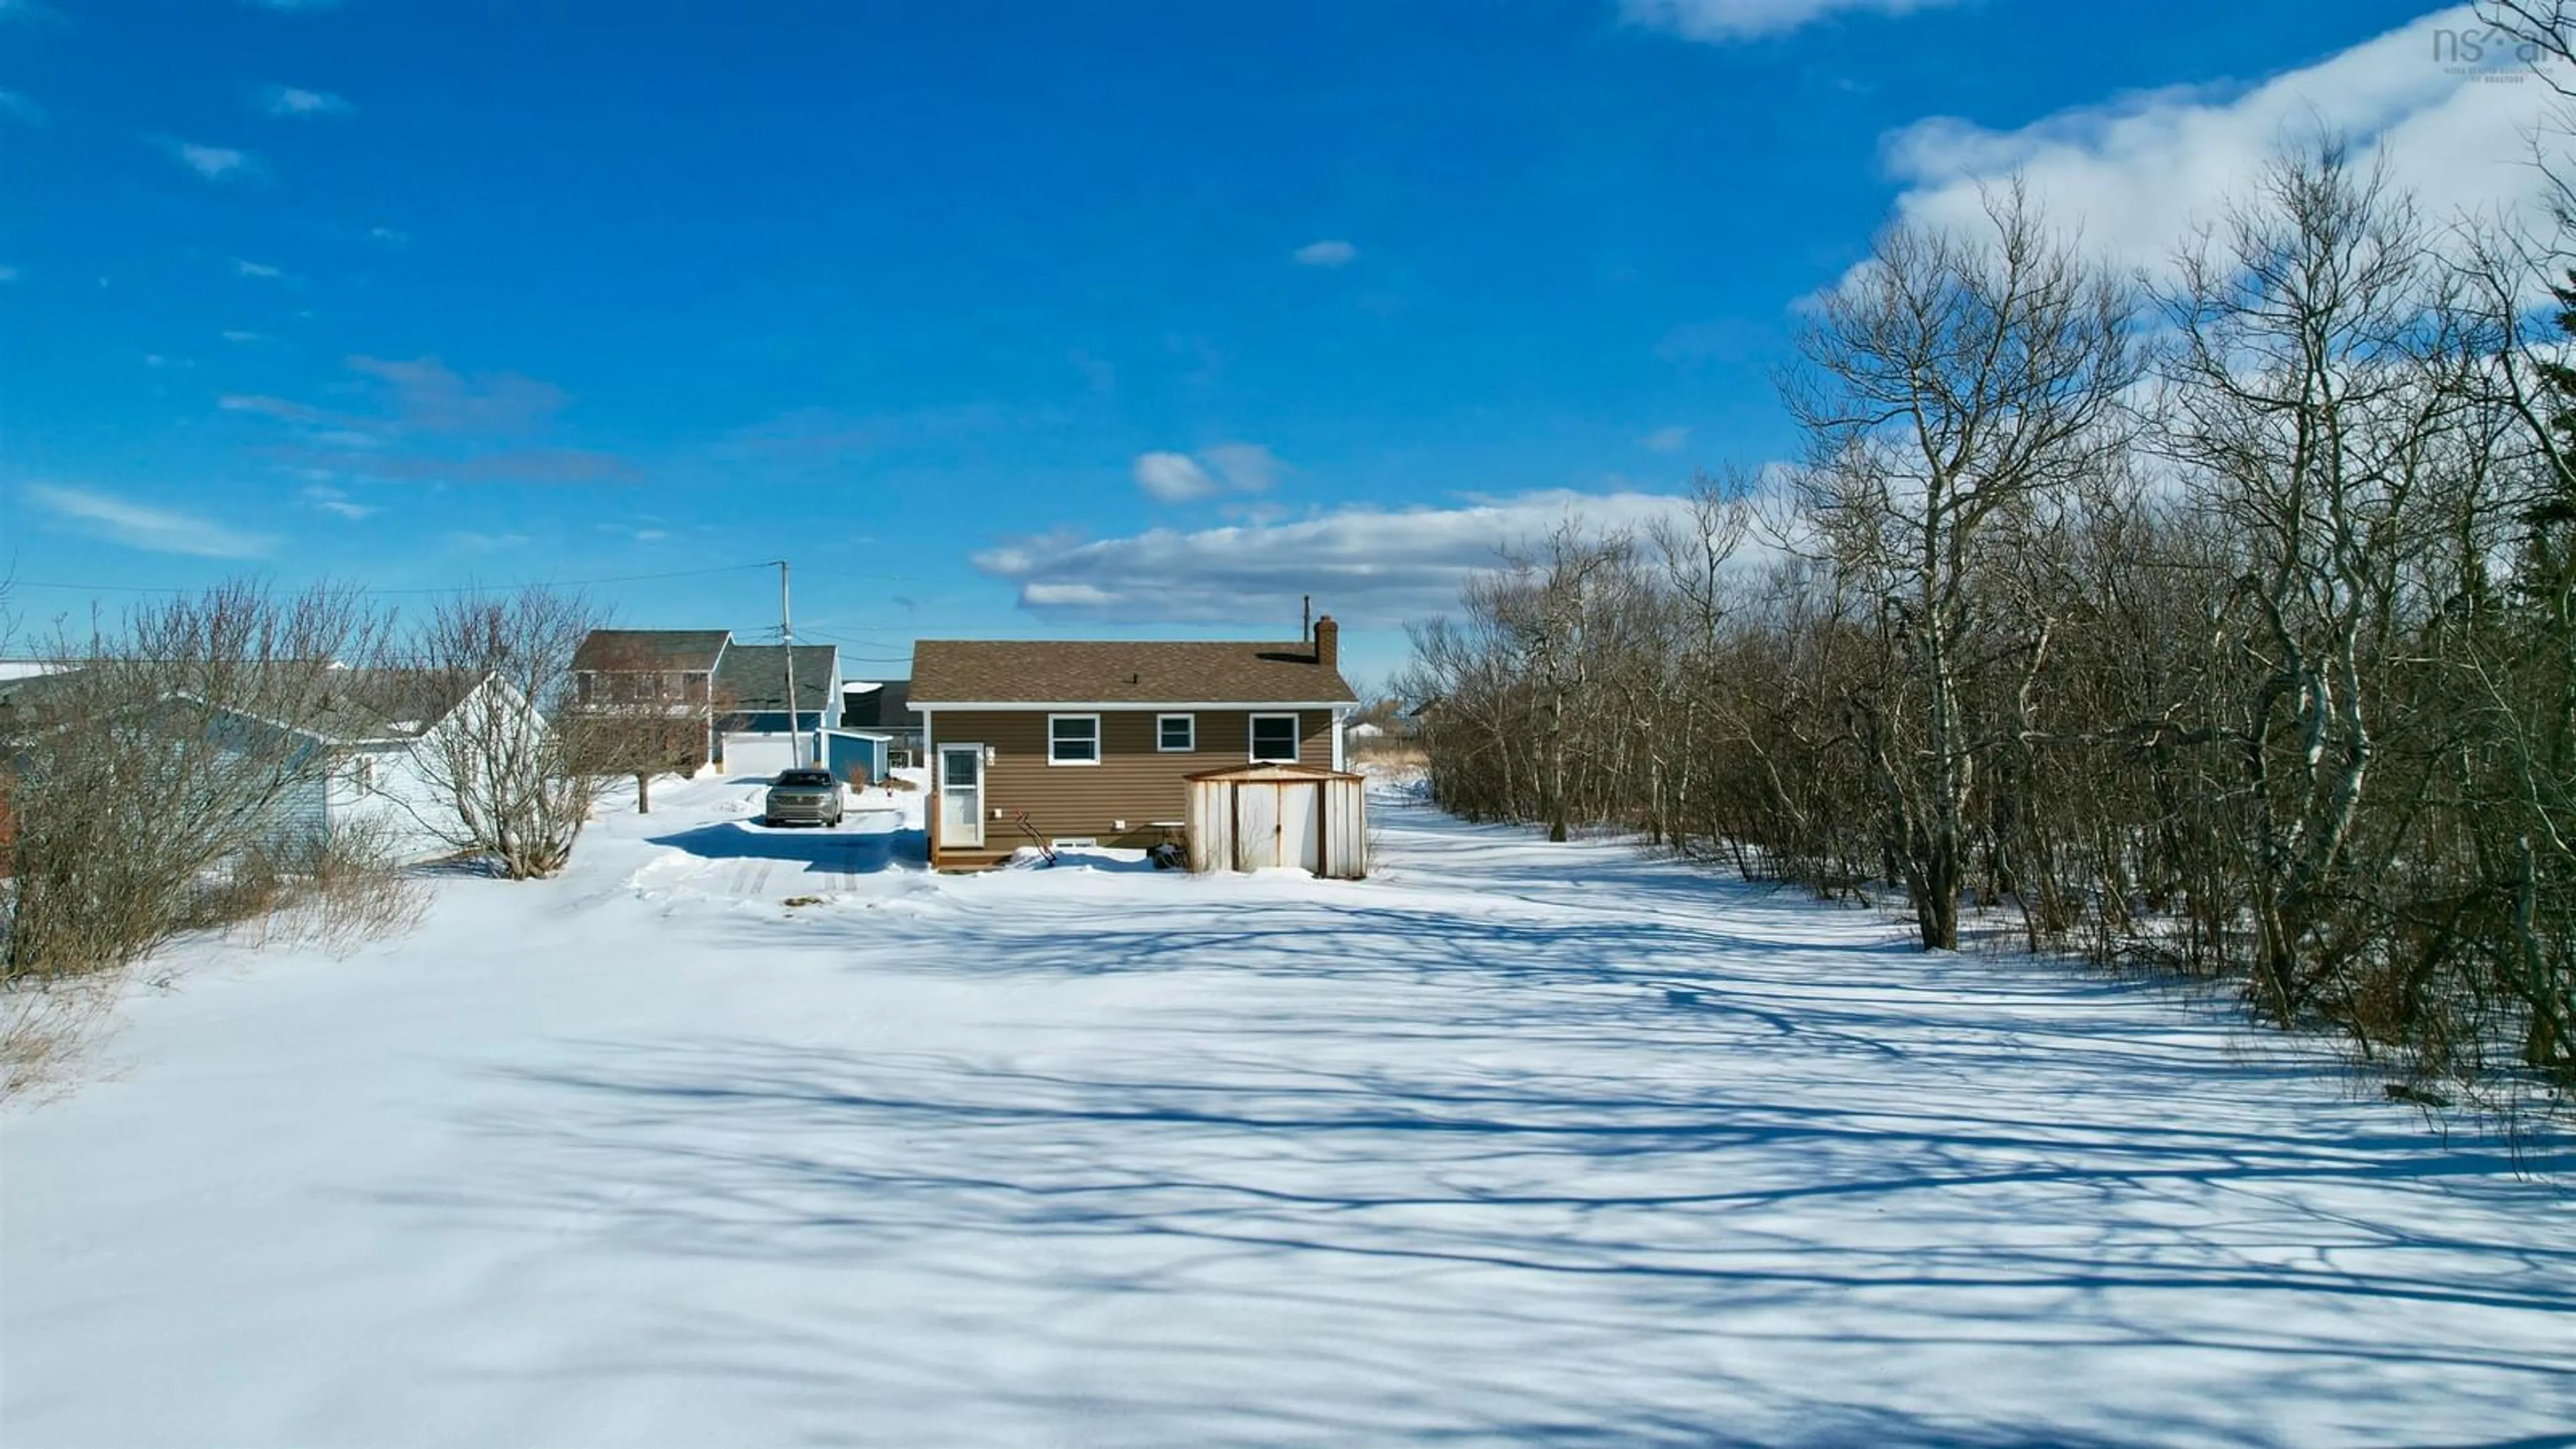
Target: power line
{"x":580,"y":583}
{"x":6,"y":582}
{"x":370,"y":589}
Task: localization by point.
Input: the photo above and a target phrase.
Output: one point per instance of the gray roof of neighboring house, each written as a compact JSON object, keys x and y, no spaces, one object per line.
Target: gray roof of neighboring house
{"x":754,"y":676}
{"x":340,"y":705}
{"x":638,"y":650}
{"x":884,"y":705}
{"x":373,"y":704}
{"x":27,"y":694}
{"x":1141,"y":671}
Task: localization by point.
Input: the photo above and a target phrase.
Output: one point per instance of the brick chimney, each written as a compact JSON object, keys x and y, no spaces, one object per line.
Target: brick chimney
{"x":1328,"y":643}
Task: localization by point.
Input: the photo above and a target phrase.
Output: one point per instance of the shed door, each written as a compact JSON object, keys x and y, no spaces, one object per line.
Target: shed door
{"x":1256,"y":826}
{"x":1300,"y":839}
{"x":961,"y":796}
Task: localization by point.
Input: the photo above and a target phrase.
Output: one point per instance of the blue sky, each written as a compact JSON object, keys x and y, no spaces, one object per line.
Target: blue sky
{"x":1023,"y":319}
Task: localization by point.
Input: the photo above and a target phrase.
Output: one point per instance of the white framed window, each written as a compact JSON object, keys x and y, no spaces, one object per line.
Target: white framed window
{"x":1274,"y":738}
{"x":1176,"y":733}
{"x":1073,"y":739}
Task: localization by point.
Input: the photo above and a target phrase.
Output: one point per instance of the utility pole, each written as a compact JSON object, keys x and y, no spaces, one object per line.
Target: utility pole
{"x":787,"y":638}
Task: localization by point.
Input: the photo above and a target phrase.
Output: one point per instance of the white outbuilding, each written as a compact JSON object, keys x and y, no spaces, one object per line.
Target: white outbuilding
{"x":1264,"y":815}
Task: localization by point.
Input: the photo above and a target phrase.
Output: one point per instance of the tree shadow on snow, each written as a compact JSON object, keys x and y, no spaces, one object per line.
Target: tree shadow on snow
{"x":1559,"y":1252}
{"x":1599,"y":1168}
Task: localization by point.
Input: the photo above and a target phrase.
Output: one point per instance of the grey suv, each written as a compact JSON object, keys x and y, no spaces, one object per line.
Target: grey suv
{"x":803,"y":797}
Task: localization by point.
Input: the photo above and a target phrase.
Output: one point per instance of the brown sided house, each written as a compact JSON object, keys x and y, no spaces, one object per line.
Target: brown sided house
{"x":1068,"y":741}
{"x":669,"y":671}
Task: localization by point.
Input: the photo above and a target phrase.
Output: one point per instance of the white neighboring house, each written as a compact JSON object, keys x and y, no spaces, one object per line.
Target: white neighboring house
{"x":378,"y":775}
{"x":363,"y":764}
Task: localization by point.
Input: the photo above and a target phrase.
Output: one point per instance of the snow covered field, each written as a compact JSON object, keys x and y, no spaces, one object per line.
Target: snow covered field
{"x":1513,"y":1142}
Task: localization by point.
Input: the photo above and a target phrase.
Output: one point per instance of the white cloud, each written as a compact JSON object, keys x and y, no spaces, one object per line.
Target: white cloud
{"x":254,"y":269}
{"x":1373,"y":568}
{"x":211,"y":162}
{"x":294,"y":101}
{"x":283,"y":409}
{"x":2136,"y":174}
{"x":8,"y":274}
{"x":1718,"y":21}
{"x":1225,"y":468}
{"x":1067,"y":596}
{"x":1667,"y":440}
{"x":17,"y":104}
{"x":239,"y":334}
{"x":389,"y":235}
{"x":1173,"y":477}
{"x":332,"y":500}
{"x":1326,"y":254}
{"x":156,"y":530}
{"x":1245,"y":467}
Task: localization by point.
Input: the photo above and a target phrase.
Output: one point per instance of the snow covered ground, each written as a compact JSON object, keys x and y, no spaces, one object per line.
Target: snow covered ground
{"x":1512,"y":1142}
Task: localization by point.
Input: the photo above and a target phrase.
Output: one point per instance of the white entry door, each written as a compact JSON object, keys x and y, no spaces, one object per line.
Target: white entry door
{"x":961,"y":796}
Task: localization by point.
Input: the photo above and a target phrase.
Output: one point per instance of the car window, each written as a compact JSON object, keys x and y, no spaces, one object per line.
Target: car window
{"x":804,"y":777}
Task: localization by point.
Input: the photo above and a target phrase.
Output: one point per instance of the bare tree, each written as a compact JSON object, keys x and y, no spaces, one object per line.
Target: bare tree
{"x":1695,"y":553}
{"x":2264,"y":674}
{"x":2307,"y":399}
{"x":1948,"y":387}
{"x":510,"y":779}
{"x":633,"y":716}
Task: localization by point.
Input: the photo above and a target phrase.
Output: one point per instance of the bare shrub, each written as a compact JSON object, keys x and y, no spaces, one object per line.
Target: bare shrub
{"x":44,"y":1031}
{"x":334,"y":891}
{"x":154,"y":776}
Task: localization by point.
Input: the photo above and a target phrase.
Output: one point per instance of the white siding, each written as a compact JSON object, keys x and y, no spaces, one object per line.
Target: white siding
{"x":400,"y":805}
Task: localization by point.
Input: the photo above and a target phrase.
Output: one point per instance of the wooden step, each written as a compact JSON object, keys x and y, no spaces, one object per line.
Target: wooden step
{"x":987,"y":858}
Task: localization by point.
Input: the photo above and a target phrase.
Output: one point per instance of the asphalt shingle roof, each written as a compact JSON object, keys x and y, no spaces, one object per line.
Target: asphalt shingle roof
{"x":754,"y":676}
{"x":1142,"y":671}
{"x":637,"y":650}
{"x":343,"y":705}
